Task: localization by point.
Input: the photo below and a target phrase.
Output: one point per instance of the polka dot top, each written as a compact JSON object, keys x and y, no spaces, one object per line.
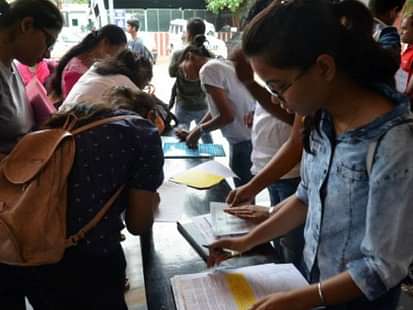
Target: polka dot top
{"x":107,"y":157}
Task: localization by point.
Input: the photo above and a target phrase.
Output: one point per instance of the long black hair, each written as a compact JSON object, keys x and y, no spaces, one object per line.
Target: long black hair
{"x":120,"y":98}
{"x":45,"y":14}
{"x":293,"y":33}
{"x":112,"y":33}
{"x":137,"y":68}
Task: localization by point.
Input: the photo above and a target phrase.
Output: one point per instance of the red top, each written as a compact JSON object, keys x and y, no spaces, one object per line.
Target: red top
{"x":407,"y":63}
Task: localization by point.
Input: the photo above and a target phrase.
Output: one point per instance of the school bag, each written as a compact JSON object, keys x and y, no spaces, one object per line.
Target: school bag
{"x":33,"y":195}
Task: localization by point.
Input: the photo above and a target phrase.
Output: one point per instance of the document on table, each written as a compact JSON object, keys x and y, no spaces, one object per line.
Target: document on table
{"x":172,"y":202}
{"x":198,"y":231}
{"x":235,"y":289}
{"x":224,"y":224}
{"x":204,"y":175}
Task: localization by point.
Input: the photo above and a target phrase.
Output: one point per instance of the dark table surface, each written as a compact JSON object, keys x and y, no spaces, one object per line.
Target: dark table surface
{"x":166,"y":253}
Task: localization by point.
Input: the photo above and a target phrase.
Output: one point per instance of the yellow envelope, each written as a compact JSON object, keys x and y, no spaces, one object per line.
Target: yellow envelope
{"x":197,"y":179}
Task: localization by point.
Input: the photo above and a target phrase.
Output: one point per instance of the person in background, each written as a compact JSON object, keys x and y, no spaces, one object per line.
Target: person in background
{"x":190,"y":100}
{"x":356,"y":172}
{"x":136,"y":43}
{"x":97,"y":45}
{"x":28,"y":29}
{"x":228,"y":100}
{"x":406,"y":35}
{"x":125,"y":69}
{"x":385,"y":13}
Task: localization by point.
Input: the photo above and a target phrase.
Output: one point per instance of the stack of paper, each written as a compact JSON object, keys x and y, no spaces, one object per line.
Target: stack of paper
{"x":204,"y":175}
{"x":224,"y":224}
{"x":235,"y":289}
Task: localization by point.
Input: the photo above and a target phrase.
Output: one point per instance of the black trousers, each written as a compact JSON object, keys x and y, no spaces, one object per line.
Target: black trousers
{"x":79,"y":281}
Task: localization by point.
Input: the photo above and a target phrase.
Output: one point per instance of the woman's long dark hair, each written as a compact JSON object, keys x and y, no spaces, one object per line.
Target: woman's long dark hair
{"x":45,"y":14}
{"x":293,"y":33}
{"x":120,"y":98}
{"x":137,"y":68}
{"x":112,"y":33}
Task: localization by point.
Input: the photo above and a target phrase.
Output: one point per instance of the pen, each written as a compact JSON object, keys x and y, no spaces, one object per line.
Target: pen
{"x":228,"y":252}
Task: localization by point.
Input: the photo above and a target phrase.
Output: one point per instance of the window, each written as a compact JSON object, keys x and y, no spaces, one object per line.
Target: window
{"x":75,"y":22}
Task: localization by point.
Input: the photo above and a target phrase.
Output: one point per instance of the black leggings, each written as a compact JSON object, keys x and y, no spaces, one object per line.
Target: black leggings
{"x":79,"y":281}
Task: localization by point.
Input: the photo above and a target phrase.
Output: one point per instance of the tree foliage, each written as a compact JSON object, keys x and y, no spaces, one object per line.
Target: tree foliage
{"x":217,"y":6}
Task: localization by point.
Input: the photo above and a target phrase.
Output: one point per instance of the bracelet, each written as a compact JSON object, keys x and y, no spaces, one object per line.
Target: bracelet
{"x":321,"y":295}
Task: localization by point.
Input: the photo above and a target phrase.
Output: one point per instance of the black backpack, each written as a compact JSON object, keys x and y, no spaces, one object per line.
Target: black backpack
{"x":169,"y":119}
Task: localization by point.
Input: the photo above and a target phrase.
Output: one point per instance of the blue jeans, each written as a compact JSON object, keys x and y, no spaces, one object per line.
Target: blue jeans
{"x":282,"y":189}
{"x":240,"y":161}
{"x":290,"y":246}
{"x":185,"y":117}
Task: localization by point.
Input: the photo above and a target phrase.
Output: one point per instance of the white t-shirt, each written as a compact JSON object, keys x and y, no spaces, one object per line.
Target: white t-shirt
{"x":93,"y":87}
{"x":221,"y":74}
{"x":268,"y":135}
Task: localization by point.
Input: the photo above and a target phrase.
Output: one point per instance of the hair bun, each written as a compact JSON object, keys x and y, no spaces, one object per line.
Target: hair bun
{"x":199,"y":40}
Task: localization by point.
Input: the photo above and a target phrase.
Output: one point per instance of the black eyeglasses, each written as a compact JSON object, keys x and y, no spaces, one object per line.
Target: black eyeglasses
{"x":49,"y":38}
{"x":278,"y":93}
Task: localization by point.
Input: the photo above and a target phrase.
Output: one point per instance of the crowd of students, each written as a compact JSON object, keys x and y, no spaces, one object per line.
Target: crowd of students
{"x":329,"y":107}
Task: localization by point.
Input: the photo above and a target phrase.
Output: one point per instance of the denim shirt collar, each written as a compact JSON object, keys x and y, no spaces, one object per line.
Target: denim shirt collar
{"x":379,"y":126}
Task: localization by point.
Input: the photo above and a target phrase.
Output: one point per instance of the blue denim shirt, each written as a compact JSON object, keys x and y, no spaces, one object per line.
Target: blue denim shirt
{"x":360,"y":221}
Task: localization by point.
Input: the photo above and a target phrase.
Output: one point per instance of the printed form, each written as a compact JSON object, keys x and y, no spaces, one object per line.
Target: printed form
{"x":235,"y":289}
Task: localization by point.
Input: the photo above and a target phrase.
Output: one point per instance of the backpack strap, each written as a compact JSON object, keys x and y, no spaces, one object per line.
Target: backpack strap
{"x":102,"y":122}
{"x":74,"y":239}
{"x":372,"y":148}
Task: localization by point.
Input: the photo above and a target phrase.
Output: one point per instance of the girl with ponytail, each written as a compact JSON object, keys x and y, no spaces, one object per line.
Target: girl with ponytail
{"x":97,"y":45}
{"x":357,"y":174}
{"x":228,"y":101}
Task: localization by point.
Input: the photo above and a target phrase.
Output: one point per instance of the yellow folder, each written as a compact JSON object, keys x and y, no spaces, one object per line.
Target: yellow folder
{"x":198,"y":179}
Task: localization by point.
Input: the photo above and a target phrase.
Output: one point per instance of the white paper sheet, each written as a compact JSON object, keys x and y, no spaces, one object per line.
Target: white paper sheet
{"x":224,"y":224}
{"x":210,"y":291}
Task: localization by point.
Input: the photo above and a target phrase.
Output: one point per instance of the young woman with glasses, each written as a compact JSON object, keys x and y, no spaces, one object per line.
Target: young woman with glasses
{"x":355,"y":194}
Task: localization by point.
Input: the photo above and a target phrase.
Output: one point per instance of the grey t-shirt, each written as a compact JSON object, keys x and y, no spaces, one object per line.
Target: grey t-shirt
{"x":16,"y":116}
{"x":189,"y":94}
{"x":137,"y":46}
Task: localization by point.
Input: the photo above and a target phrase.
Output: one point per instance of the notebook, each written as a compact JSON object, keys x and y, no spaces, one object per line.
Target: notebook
{"x":181,"y":150}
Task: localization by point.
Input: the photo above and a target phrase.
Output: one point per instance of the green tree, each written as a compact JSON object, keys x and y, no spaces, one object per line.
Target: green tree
{"x":217,"y":6}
